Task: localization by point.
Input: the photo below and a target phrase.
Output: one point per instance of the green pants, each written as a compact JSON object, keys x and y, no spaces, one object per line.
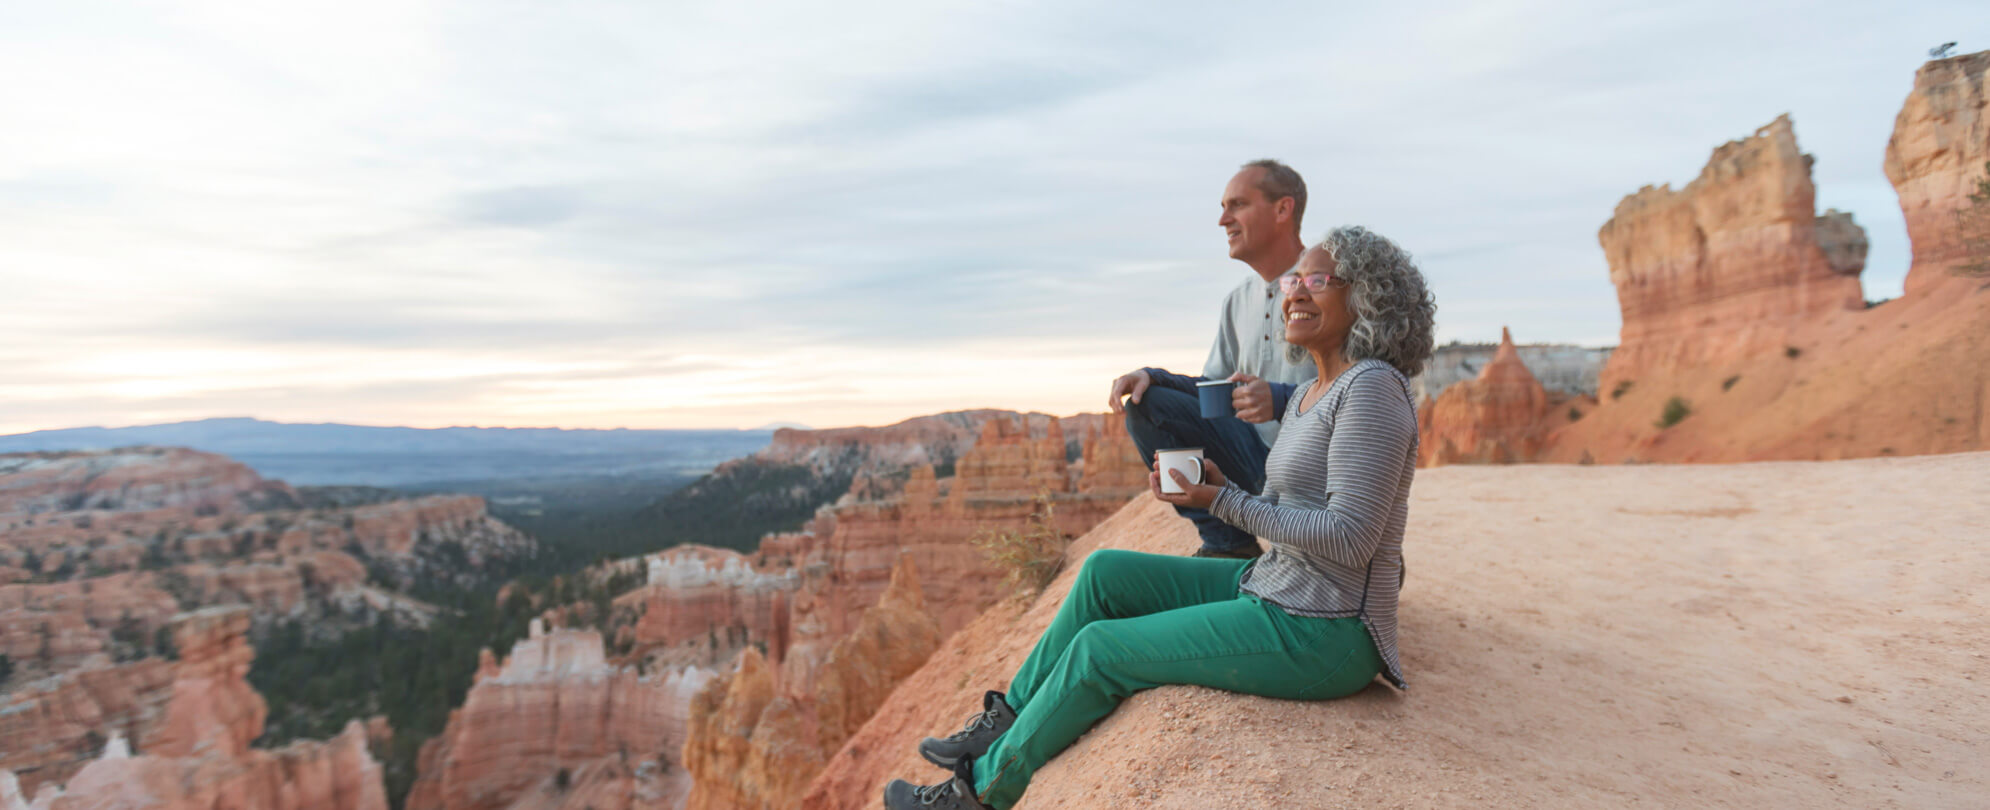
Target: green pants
{"x":1136,"y":621}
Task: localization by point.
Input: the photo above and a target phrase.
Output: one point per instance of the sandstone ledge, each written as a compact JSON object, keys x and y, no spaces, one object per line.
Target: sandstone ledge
{"x":1795,"y":634}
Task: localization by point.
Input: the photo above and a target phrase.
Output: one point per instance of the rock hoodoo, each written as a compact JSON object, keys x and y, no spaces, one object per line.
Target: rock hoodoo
{"x":1496,"y":418}
{"x":1735,"y":253}
{"x":556,"y":706}
{"x":1745,"y":336}
{"x":1936,"y":158}
{"x":197,"y":757}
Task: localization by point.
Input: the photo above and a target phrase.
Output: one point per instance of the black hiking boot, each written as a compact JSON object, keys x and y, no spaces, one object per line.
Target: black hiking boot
{"x":957,"y":793}
{"x":972,"y":741}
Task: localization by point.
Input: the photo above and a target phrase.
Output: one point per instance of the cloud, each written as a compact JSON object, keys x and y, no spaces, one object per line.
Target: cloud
{"x":446,"y":212}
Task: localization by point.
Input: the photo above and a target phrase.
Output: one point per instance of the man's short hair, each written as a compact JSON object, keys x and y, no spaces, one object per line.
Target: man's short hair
{"x":1280,"y":180}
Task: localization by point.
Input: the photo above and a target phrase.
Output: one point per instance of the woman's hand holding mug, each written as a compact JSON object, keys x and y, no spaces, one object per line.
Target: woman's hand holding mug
{"x":1198,"y":496}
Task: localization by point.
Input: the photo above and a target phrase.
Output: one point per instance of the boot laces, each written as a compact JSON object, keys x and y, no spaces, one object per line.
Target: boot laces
{"x":980,"y":721}
{"x":932,"y":794}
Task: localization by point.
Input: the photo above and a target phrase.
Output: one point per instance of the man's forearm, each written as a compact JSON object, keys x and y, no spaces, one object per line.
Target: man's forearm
{"x":1163,"y":378}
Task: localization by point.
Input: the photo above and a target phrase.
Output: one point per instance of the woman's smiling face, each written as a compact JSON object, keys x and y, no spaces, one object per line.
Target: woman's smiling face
{"x":1317,"y":319}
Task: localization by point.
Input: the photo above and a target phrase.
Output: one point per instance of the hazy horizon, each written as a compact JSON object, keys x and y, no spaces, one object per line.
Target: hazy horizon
{"x":434,"y":214}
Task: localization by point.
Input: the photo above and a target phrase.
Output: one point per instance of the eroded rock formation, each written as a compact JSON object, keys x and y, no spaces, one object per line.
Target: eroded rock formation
{"x":1936,"y":158}
{"x":100,"y":549}
{"x":558,"y":725}
{"x":823,"y":613}
{"x":1734,"y":253}
{"x":757,"y":743}
{"x":1495,"y":418}
{"x":1742,"y":338}
{"x":197,"y":757}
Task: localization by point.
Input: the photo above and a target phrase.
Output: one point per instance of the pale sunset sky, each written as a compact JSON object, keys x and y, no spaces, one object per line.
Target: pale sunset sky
{"x":728,"y":214}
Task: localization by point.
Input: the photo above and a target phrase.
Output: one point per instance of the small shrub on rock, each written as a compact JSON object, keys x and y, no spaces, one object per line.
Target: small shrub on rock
{"x":1675,"y":410}
{"x":1030,"y":557}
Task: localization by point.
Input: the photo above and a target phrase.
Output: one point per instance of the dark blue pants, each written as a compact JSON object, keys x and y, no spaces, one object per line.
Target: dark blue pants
{"x":1165,"y":418}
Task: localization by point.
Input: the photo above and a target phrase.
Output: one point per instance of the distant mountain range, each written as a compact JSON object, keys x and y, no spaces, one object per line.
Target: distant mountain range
{"x":321,"y":454}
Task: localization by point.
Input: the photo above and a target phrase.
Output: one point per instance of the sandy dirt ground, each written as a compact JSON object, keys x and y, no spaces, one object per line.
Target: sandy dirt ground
{"x":1788,"y":634}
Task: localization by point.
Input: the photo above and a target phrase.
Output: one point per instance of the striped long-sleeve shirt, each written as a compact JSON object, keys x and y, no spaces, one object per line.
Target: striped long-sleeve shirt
{"x":1335,"y":502}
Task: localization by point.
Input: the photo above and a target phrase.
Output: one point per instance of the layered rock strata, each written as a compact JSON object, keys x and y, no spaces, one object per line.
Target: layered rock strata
{"x":1735,"y":252}
{"x":1936,"y":158}
{"x":1495,"y":418}
{"x":822,"y":615}
{"x":558,"y":725}
{"x":1735,"y":344}
{"x":104,"y":547}
{"x":756,"y":743}
{"x":197,"y":756}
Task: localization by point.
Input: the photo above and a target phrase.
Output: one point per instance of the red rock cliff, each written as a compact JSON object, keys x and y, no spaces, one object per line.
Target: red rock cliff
{"x":1936,"y":157}
{"x":756,"y":743}
{"x":197,"y":757}
{"x":1735,"y":345}
{"x":1734,"y":253}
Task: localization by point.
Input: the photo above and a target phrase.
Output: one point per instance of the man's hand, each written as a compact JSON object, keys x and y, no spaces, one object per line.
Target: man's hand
{"x":1134,"y":384}
{"x":1251,"y":398}
{"x":1199,"y":496}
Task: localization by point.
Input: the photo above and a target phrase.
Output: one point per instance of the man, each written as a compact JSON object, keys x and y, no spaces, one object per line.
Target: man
{"x":1262,"y":207}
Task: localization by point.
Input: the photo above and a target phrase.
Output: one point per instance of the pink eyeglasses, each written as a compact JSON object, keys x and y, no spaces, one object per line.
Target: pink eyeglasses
{"x":1315,"y":282}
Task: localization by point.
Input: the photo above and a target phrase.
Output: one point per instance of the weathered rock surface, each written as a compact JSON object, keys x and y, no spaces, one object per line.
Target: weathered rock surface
{"x":1843,"y":241}
{"x":109,"y":545}
{"x":1936,"y":157}
{"x":1496,"y":418}
{"x":1734,"y":253}
{"x":1571,"y":644}
{"x":1731,"y":321}
{"x":195,"y":756}
{"x":55,"y":725}
{"x":557,"y":706}
{"x":756,"y":744}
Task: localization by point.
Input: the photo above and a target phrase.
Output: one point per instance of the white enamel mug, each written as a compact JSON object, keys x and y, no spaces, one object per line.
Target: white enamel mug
{"x":1186,"y":459}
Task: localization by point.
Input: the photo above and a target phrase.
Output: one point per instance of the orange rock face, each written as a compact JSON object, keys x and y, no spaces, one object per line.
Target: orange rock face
{"x":1731,"y":323}
{"x":1936,"y":157}
{"x":1734,"y":253}
{"x":197,"y":757}
{"x":754,"y":743}
{"x":1494,"y":418}
{"x":69,"y":716}
{"x":557,"y":706}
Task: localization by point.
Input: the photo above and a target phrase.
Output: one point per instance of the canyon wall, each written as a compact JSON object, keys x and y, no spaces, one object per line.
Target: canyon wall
{"x":556,"y":724}
{"x":101,"y":551}
{"x":812,"y":629}
{"x":756,"y":742}
{"x":192,"y":741}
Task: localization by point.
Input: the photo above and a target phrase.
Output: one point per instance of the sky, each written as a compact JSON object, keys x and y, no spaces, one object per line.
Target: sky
{"x":658,"y":215}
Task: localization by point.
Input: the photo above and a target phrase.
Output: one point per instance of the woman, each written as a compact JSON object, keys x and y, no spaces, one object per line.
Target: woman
{"x":1313,"y":619}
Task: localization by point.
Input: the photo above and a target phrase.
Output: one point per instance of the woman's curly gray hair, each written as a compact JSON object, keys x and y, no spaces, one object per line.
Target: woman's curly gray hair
{"x":1394,"y":314}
